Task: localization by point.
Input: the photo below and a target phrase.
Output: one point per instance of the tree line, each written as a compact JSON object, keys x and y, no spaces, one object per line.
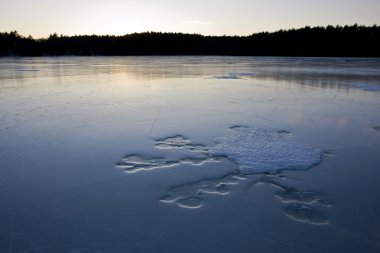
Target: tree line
{"x":339,"y":41}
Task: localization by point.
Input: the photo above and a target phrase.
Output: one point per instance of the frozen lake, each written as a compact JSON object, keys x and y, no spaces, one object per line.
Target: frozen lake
{"x":189,"y":154}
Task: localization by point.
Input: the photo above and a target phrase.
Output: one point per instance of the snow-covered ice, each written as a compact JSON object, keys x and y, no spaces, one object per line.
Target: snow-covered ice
{"x":257,"y":151}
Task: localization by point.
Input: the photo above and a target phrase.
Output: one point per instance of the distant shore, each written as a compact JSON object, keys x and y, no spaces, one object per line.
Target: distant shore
{"x":330,"y":41}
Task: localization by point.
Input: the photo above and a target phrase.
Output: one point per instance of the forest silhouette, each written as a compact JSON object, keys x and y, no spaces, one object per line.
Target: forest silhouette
{"x":334,"y":41}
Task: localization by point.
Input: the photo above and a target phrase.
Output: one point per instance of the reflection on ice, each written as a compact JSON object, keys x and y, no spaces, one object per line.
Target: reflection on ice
{"x":366,"y":86}
{"x":236,"y":75}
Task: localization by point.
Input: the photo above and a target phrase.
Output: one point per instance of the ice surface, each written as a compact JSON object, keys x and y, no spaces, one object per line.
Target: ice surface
{"x":64,"y":127}
{"x":236,"y":75}
{"x":366,"y":86}
{"x":257,"y":151}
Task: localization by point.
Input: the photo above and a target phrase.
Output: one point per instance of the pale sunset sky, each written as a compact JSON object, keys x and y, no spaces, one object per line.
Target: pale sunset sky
{"x":40,"y":18}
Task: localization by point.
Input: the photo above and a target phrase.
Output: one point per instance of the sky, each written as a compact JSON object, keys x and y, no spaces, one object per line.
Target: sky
{"x":40,"y":18}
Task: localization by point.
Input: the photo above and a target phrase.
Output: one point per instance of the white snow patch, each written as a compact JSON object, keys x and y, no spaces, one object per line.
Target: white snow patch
{"x":257,"y":151}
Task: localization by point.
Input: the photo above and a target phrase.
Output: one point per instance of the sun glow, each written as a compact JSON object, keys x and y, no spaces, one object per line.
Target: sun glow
{"x":40,"y":18}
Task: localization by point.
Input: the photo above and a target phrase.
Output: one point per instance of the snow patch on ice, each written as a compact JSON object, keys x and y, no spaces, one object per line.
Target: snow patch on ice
{"x":191,"y":195}
{"x":366,"y":86}
{"x":136,"y":163}
{"x":302,"y":206}
{"x":305,"y":213}
{"x":258,"y":151}
{"x":180,"y":142}
{"x":253,"y":151}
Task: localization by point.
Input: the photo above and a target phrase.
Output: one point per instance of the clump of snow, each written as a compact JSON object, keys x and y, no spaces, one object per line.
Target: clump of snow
{"x":366,"y":87}
{"x":257,"y":151}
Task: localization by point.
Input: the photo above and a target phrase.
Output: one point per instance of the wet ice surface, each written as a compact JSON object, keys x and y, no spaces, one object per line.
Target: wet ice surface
{"x":66,"y":123}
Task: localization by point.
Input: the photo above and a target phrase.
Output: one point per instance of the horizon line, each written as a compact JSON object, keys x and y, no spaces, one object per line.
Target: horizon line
{"x":186,"y":33}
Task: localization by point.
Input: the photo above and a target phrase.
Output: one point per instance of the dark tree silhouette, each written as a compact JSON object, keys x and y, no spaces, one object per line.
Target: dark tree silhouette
{"x":345,"y":41}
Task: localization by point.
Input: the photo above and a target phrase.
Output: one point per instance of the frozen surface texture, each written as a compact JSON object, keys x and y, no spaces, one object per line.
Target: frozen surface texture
{"x":197,"y":156}
{"x":254,"y":151}
{"x":257,"y":151}
{"x":188,"y":194}
{"x":180,"y":142}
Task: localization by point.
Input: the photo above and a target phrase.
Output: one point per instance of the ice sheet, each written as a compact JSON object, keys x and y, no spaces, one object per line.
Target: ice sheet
{"x":65,"y":126}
